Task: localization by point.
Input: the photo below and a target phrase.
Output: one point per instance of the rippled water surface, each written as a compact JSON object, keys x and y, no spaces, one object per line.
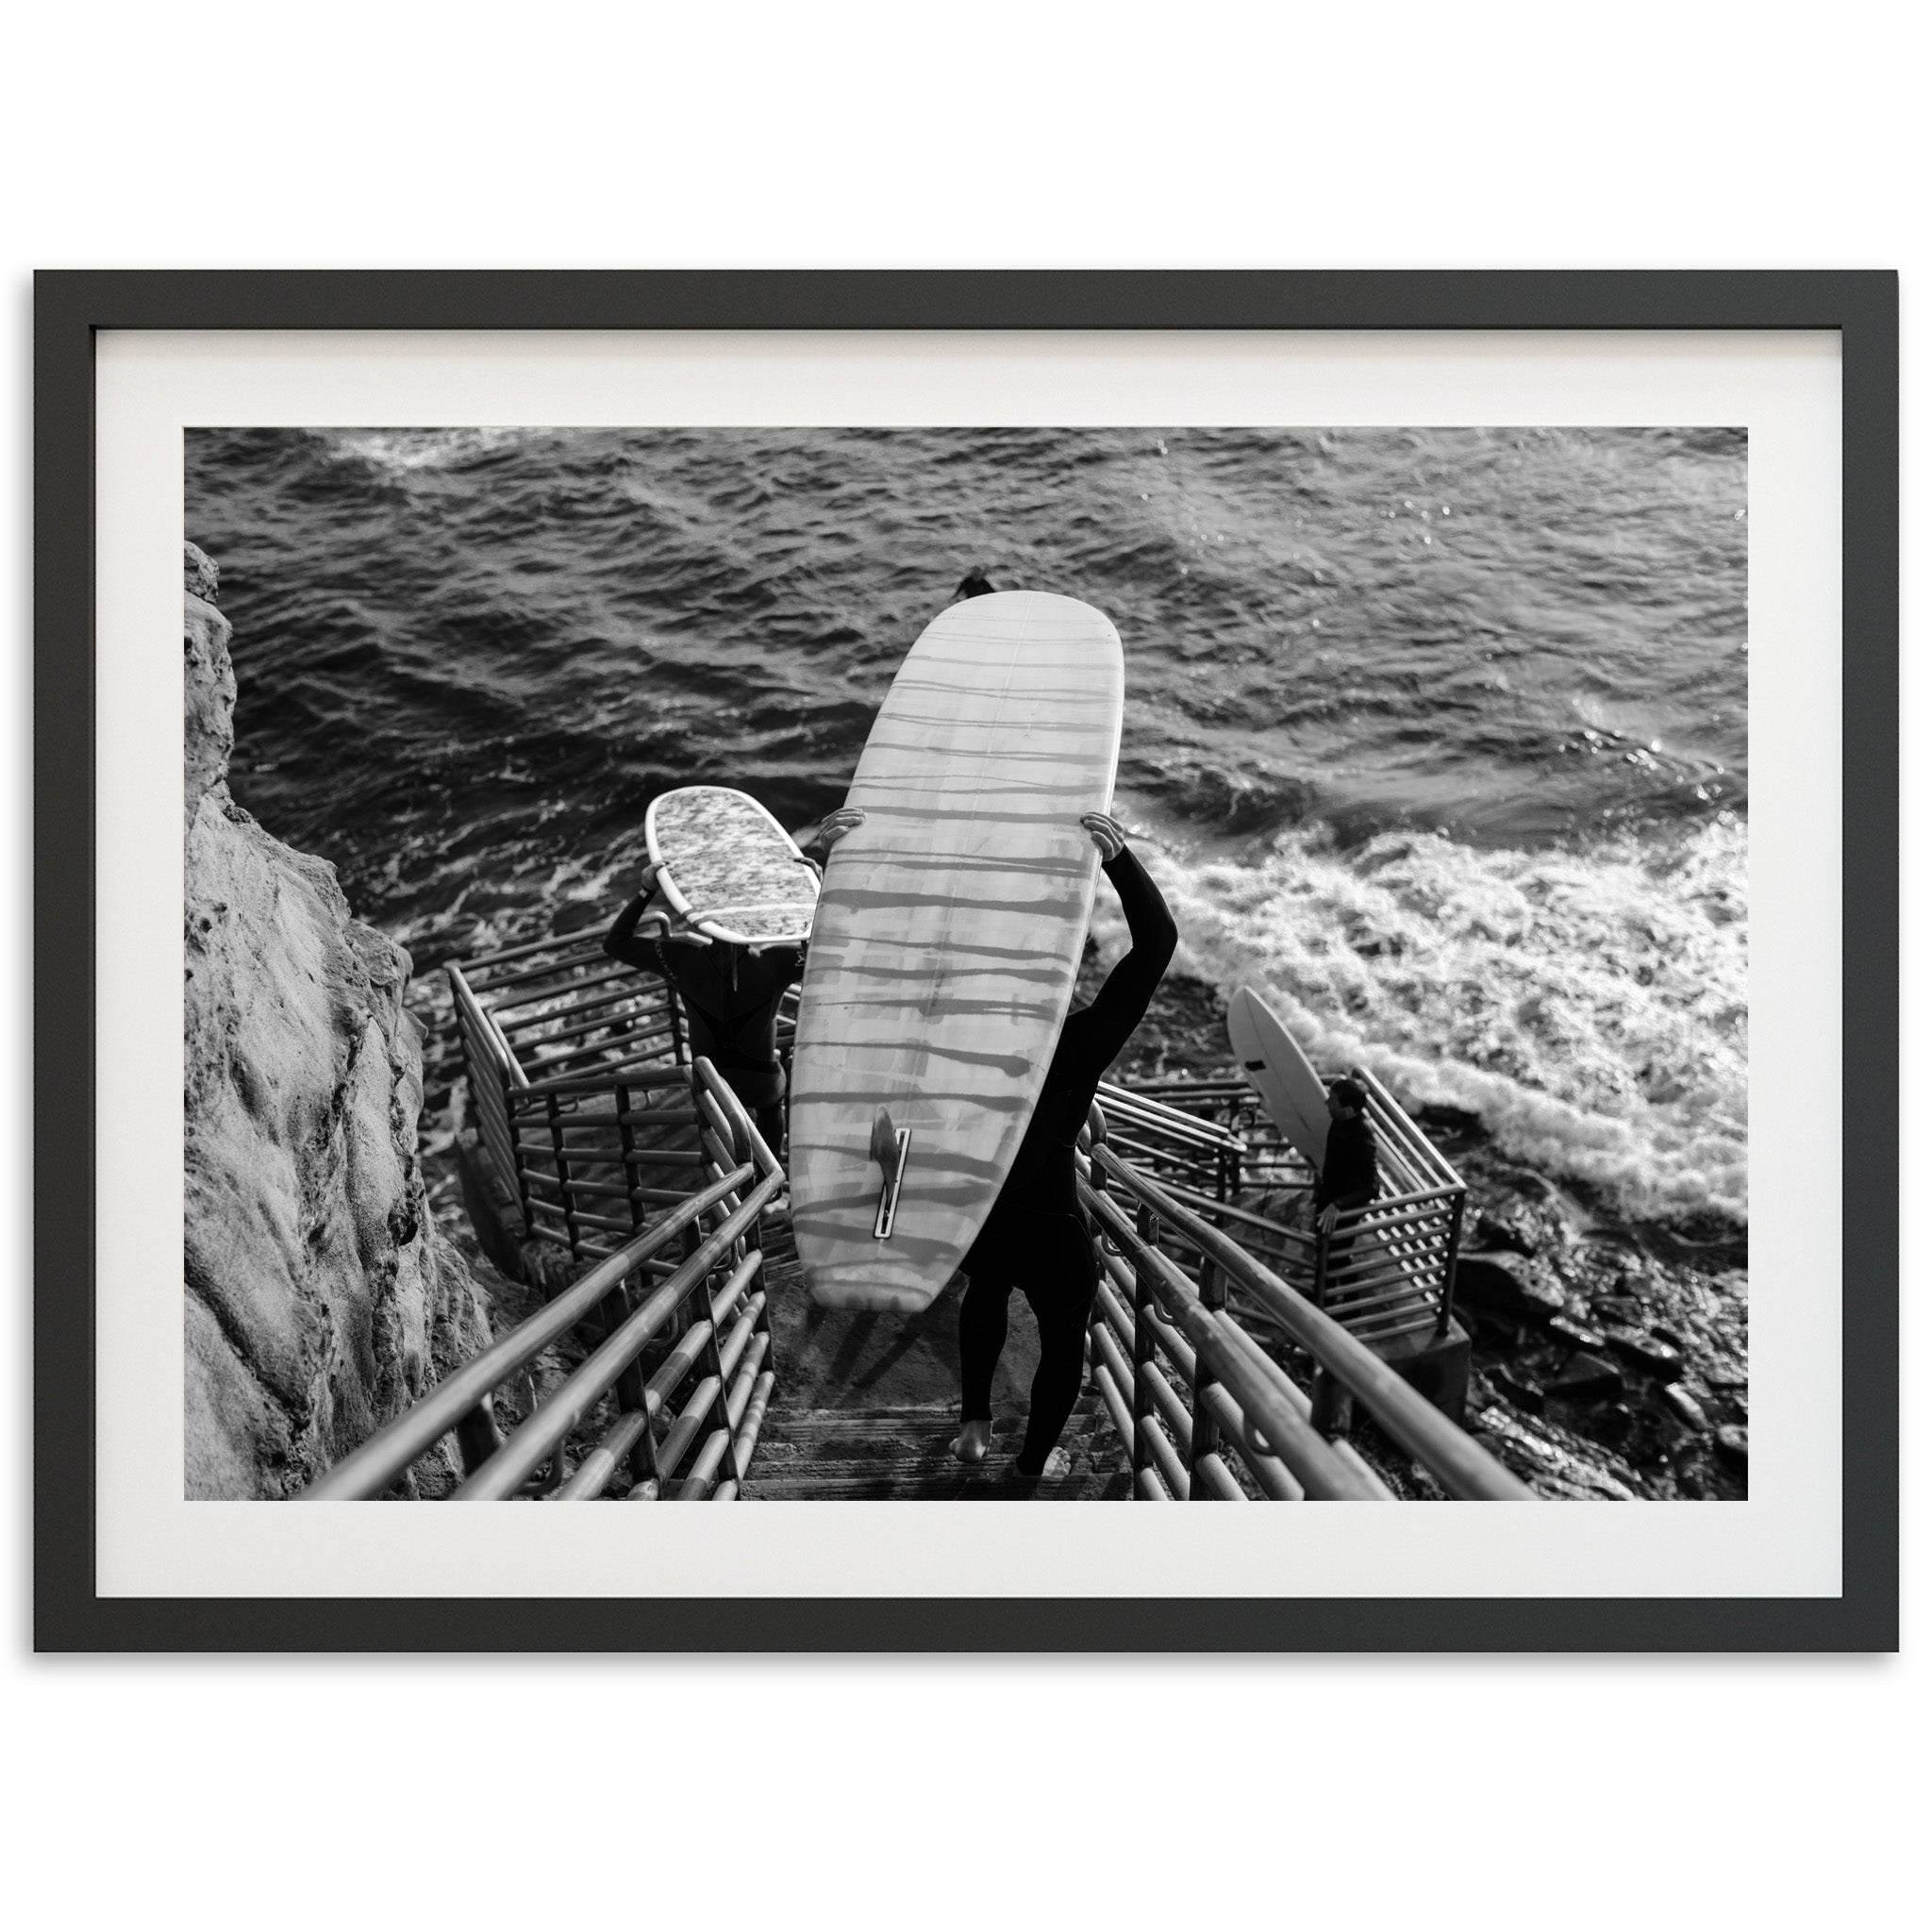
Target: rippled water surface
{"x":1440,"y":735}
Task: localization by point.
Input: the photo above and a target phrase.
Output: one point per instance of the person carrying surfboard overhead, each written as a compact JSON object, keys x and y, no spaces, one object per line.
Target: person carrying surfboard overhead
{"x":730,"y":993}
{"x":1036,"y":1237}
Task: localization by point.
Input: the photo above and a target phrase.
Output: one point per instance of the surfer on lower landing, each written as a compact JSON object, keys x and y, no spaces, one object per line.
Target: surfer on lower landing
{"x":730,"y":993}
{"x":1036,"y":1237}
{"x":975,"y":583}
{"x":1349,"y":1176}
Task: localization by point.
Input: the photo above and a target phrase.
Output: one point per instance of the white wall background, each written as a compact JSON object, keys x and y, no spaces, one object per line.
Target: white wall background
{"x":1578,"y":1792}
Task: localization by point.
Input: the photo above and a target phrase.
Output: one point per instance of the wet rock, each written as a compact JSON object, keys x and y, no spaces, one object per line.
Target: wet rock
{"x":1645,"y":1351}
{"x":1549,"y":1463}
{"x":1513,"y":1285}
{"x":1734,"y":1447}
{"x":320,"y":1300}
{"x":1679,"y":1401}
{"x":1613,"y":1422}
{"x":1584,"y":1377}
{"x":1523,"y":1393}
{"x":1616,"y":1308}
{"x":1577,"y":1333}
{"x":1509,"y":1229}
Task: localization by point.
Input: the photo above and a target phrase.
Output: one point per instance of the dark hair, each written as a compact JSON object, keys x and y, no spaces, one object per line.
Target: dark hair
{"x":1349,"y":1092}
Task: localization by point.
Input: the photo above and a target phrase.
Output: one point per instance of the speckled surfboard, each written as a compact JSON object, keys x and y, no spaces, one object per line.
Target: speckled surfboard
{"x":948,"y":935}
{"x":729,"y":867}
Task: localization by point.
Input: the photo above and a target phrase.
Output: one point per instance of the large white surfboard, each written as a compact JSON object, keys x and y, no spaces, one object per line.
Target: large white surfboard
{"x":948,"y":935}
{"x":1279,"y":1072}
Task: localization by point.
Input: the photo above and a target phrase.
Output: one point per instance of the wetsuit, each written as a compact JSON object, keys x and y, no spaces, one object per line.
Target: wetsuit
{"x":1349,"y":1177}
{"x":1036,"y":1238}
{"x":730,"y":996}
{"x":1349,"y":1174}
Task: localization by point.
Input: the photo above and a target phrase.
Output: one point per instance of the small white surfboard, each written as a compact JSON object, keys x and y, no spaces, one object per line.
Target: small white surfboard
{"x":729,"y":867}
{"x":1279,"y":1072}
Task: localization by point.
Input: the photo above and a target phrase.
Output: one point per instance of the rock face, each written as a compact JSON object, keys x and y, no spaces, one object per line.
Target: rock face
{"x":320,"y":1300}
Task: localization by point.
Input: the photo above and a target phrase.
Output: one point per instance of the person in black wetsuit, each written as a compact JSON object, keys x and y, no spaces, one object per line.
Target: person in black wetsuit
{"x":1349,"y":1176}
{"x":975,"y":583}
{"x":730,"y":993}
{"x":1037,"y":1237}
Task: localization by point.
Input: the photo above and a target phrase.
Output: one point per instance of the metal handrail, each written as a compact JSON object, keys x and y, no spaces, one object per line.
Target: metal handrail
{"x":1454,"y":1458}
{"x":653,"y":1071}
{"x":1271,"y":1422}
{"x":369,"y":1470}
{"x":564,"y":1408}
{"x":462,"y":1402}
{"x":1153,"y":1112}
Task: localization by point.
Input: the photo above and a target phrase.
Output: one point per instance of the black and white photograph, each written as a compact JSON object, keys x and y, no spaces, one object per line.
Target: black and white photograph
{"x":1052,"y":964}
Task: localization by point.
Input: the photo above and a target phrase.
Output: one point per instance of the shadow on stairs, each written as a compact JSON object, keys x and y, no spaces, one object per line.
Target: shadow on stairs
{"x":905,"y":1455}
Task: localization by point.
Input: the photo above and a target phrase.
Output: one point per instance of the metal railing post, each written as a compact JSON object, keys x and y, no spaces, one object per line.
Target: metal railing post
{"x":1148,"y":1229}
{"x":626,"y":1146}
{"x":1449,"y":1261}
{"x":741,"y":1154}
{"x":1331,"y":1407}
{"x":553,"y":1113}
{"x":518,"y":1179}
{"x":1096,"y":1179}
{"x":1205,"y":1438}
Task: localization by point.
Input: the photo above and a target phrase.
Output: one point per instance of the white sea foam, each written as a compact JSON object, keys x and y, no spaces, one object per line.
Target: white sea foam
{"x":399,"y":450}
{"x":1591,"y":1006}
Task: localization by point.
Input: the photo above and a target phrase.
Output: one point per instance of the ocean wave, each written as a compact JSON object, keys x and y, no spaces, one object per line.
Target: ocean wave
{"x":398,"y":451}
{"x":1589,"y":1006}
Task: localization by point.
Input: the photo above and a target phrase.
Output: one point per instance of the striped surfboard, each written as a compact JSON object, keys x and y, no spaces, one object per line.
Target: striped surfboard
{"x":948,"y":934}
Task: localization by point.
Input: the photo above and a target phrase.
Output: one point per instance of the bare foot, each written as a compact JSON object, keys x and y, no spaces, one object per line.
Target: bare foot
{"x":1057,"y":1471}
{"x":972,"y":1442}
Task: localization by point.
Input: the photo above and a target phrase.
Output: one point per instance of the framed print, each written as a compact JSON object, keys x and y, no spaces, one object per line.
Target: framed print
{"x":902,"y":898}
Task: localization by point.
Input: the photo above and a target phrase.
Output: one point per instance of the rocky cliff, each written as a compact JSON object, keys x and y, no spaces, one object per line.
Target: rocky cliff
{"x":320,"y":1298}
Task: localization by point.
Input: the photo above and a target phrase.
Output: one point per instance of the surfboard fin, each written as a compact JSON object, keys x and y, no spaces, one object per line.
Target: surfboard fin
{"x":890,"y":1146}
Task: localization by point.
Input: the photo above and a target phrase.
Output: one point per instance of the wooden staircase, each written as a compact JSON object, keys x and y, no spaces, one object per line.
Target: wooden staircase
{"x":905,"y":1455}
{"x":872,"y":1449}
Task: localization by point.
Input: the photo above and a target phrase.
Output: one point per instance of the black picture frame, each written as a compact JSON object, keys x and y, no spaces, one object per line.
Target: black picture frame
{"x":72,"y":307}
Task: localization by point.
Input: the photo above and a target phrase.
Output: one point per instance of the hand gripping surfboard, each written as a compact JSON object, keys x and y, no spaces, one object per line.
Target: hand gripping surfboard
{"x":948,"y":934}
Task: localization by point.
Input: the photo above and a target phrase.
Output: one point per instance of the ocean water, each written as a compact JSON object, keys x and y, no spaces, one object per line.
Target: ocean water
{"x":1438,"y":736}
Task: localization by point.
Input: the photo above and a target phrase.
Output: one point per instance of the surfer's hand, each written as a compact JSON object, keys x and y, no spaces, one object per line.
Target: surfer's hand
{"x":1326,"y":1219}
{"x":1109,"y":834}
{"x":647,"y":880}
{"x":846,"y":819}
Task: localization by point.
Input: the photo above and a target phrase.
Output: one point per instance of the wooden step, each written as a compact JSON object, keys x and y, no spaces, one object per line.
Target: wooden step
{"x":830,"y":1454}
